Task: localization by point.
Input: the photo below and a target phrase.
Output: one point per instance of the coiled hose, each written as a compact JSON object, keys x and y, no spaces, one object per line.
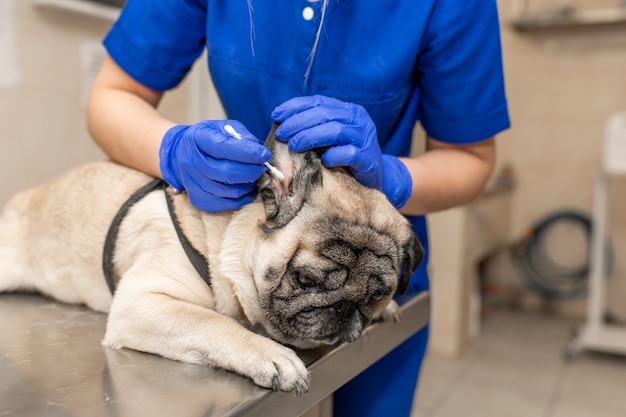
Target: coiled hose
{"x":542,"y":272}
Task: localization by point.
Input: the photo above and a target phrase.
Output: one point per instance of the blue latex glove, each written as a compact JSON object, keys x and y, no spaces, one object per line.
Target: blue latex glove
{"x":318,"y":121}
{"x":218,"y":171}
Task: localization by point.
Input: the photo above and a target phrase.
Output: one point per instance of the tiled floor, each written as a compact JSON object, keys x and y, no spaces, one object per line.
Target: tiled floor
{"x":516,"y":370}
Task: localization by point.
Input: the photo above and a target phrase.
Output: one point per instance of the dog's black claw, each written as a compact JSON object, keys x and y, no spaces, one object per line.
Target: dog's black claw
{"x":275,"y":383}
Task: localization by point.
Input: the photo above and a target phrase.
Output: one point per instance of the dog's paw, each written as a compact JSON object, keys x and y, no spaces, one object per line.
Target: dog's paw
{"x":391,"y":312}
{"x":275,"y":366}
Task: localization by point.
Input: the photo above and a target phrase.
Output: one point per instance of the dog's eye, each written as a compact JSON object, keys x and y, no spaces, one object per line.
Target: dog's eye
{"x":381,"y":292}
{"x":304,"y":280}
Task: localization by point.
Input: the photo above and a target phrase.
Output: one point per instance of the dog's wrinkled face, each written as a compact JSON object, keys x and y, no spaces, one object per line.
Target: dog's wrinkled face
{"x":344,"y":251}
{"x":331,"y":290}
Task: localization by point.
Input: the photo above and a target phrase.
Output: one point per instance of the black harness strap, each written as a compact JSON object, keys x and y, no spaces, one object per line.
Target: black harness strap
{"x":198,"y":261}
{"x":109,"y":243}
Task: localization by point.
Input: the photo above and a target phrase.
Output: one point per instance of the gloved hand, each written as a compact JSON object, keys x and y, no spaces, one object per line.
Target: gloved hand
{"x":319,"y":121}
{"x":217,"y":170}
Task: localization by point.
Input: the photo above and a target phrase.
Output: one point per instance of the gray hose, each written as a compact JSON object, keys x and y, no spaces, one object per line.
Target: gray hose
{"x":544,"y":274}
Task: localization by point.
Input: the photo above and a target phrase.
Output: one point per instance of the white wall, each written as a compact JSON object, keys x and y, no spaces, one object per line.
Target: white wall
{"x":42,"y":118}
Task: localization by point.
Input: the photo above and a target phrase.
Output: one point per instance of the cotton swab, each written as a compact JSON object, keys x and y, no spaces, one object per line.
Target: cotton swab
{"x":272,"y":169}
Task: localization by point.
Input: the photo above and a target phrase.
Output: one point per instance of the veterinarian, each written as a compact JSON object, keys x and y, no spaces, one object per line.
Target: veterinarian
{"x":352,"y":76}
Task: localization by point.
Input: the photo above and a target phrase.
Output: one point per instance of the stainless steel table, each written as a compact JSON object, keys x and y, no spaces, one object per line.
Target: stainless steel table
{"x":52,"y":364}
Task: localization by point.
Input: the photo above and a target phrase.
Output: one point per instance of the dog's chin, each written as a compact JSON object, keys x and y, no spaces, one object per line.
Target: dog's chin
{"x":312,"y":328}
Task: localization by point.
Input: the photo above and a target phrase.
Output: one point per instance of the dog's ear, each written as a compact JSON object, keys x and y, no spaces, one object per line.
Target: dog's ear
{"x":302,"y":172}
{"x":412,"y":254}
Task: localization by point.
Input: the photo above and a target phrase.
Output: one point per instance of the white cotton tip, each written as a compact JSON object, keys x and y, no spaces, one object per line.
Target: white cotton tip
{"x":231,"y":131}
{"x":275,"y":172}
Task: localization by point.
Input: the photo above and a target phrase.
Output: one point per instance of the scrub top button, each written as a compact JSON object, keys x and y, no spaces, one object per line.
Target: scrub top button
{"x":307,"y":13}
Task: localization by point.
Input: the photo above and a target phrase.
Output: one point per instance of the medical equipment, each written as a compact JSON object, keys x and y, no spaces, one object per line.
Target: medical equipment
{"x":275,"y":172}
{"x":597,"y":334}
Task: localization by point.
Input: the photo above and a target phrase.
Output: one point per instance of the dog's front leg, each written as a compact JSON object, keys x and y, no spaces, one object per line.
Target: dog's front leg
{"x":391,"y":312}
{"x":176,"y":329}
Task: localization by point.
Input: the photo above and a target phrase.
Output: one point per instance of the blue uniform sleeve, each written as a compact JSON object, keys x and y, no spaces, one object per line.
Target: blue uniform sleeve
{"x":157,"y":41}
{"x":460,"y":73}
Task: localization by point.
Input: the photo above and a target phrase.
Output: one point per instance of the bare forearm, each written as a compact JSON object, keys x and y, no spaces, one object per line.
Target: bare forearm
{"x":125,"y":124}
{"x":448,"y":176}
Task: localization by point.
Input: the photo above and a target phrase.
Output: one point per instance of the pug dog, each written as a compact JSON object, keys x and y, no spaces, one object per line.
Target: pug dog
{"x":311,"y":262}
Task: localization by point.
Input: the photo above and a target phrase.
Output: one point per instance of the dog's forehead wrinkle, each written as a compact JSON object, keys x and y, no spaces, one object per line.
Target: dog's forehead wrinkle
{"x":334,"y":279}
{"x":357,"y":235}
{"x":360,"y":260}
{"x":337,"y":262}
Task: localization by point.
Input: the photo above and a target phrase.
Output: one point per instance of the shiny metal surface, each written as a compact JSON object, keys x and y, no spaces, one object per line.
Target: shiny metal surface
{"x":52,"y":364}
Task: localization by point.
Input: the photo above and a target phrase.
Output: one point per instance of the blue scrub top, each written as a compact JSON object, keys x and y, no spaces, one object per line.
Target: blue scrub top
{"x":433,"y":61}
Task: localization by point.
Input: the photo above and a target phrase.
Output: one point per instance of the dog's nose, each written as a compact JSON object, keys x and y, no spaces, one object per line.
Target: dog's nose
{"x":344,"y":309}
